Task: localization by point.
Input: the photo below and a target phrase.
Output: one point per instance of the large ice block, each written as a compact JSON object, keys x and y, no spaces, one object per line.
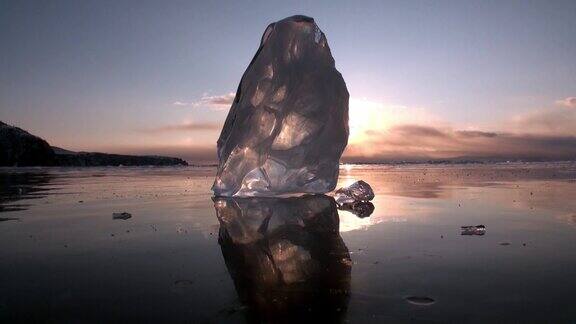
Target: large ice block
{"x":288,"y":124}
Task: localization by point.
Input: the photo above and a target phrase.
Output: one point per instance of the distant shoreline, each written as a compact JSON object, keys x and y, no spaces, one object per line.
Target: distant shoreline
{"x":19,"y":148}
{"x":213,"y":165}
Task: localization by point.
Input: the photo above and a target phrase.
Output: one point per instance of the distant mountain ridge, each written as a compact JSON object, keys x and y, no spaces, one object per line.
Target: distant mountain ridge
{"x":106,"y":159}
{"x":59,"y":150}
{"x":20,"y":148}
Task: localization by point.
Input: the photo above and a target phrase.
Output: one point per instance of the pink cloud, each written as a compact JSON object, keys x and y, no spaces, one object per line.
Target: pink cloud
{"x":417,"y":142}
{"x":187,"y":127}
{"x":569,"y":102}
{"x":219,"y":102}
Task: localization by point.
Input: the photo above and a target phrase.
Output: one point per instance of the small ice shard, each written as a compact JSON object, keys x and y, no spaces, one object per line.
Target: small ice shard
{"x":473,"y":230}
{"x":420,"y":300}
{"x":183,"y":282}
{"x":358,"y":191}
{"x":361,"y":209}
{"x":288,"y":124}
{"x":123,"y":215}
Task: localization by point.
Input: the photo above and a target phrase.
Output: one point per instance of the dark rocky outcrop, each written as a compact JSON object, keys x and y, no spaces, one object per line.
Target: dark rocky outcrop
{"x":104,"y":159}
{"x":20,"y":148}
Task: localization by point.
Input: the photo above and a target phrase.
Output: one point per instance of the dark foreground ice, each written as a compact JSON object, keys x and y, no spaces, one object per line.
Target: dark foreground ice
{"x":184,"y":257}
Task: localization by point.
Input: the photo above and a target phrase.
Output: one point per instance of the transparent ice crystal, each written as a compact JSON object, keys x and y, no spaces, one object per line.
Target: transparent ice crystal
{"x":359,"y":191}
{"x":288,"y":124}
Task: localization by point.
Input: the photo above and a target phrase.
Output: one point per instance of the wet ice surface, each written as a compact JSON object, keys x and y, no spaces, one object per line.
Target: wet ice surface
{"x":64,"y":258}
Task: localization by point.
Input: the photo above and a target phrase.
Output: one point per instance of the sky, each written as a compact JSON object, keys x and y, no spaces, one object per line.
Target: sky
{"x":427,"y":79}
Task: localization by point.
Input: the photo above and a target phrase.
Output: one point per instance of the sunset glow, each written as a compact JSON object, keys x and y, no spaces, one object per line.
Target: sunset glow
{"x":273,"y":161}
{"x":369,"y":118}
{"x":163,"y":85}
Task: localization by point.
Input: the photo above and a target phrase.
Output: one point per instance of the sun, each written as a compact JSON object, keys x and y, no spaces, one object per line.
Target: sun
{"x":366,"y":116}
{"x":369,"y":119}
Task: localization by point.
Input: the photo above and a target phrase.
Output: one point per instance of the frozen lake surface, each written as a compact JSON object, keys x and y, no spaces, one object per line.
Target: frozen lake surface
{"x":64,"y":258}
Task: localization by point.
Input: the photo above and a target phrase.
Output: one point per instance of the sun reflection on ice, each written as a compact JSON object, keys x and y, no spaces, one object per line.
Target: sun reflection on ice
{"x":350,"y":222}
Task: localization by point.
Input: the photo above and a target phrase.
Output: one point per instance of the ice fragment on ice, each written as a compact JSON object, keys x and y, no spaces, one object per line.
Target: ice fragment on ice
{"x":473,"y":230}
{"x":358,"y":191}
{"x":420,"y":300}
{"x":123,"y":215}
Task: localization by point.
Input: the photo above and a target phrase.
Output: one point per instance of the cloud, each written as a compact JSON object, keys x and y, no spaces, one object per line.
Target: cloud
{"x":367,"y":115}
{"x":417,"y":142}
{"x":419,"y":131}
{"x":545,"y":122}
{"x":186,"y":127}
{"x":219,"y":102}
{"x":472,"y":134}
{"x":380,"y":132}
{"x":190,"y":153}
{"x":569,"y":102}
{"x":226,"y":99}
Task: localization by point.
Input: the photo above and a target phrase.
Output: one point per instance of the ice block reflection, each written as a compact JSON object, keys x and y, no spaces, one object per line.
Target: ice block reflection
{"x":286,"y":257}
